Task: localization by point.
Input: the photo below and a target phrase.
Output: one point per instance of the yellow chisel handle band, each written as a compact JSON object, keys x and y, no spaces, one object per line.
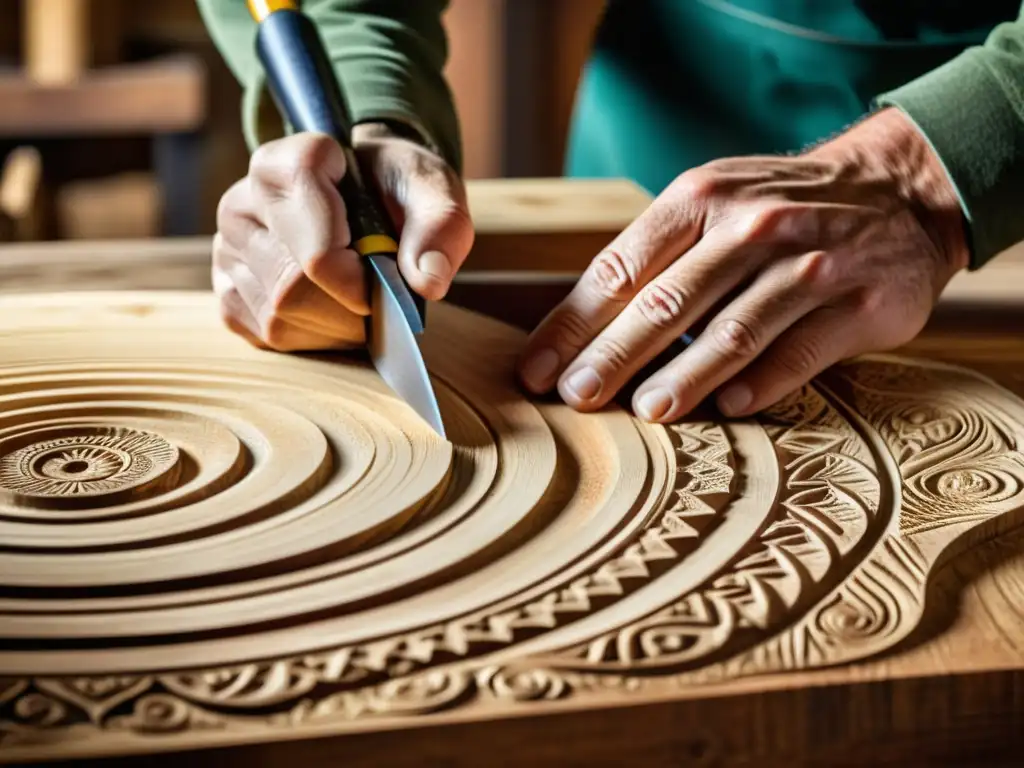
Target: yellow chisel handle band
{"x":375,"y":244}
{"x":260,"y":9}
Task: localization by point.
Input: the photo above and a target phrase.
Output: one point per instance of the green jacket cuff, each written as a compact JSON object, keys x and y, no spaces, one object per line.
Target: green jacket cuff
{"x":967,"y":111}
{"x":439,"y":130}
{"x":389,"y":57}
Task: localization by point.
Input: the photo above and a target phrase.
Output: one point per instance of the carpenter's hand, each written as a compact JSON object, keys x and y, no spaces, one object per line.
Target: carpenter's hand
{"x":282,"y":266}
{"x":793,"y":263}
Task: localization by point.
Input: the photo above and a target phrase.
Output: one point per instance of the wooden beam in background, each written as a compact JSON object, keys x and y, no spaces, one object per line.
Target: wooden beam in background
{"x":162,"y":96}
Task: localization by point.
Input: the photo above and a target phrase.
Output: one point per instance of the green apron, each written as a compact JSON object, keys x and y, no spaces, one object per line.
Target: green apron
{"x":672,"y":84}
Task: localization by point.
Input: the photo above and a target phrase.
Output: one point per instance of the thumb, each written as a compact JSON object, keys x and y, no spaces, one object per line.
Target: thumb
{"x":436,"y":231}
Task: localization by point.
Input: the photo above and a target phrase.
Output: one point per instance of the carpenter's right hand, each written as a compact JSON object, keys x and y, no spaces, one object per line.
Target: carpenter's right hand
{"x":282,"y":266}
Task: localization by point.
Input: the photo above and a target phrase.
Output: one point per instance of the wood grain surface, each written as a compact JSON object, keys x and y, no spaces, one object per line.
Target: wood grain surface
{"x":836,"y":582}
{"x":241,"y":590}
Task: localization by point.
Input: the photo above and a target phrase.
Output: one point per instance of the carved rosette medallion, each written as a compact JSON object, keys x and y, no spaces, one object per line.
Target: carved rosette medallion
{"x":72,"y":462}
{"x":197,"y":537}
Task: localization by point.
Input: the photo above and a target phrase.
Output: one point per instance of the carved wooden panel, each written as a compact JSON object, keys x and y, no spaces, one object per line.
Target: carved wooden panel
{"x":205,"y":544}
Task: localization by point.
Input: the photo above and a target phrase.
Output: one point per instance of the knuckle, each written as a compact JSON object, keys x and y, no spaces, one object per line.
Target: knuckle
{"x":233,"y":314}
{"x":870,"y":303}
{"x":292,"y":161}
{"x":287,"y":294}
{"x":222,"y":284}
{"x":765,"y":223}
{"x":457,"y":215}
{"x":447,"y":213}
{"x":218,"y":250}
{"x":225,"y":210}
{"x":662,"y":304}
{"x":610,"y":354}
{"x":683,"y":385}
{"x":613,"y":276}
{"x":276,"y":332}
{"x":261,"y":158}
{"x":816,"y":271}
{"x":571,"y":329}
{"x":735,"y":337}
{"x":318,"y":266}
{"x":893,"y":320}
{"x":313,"y":151}
{"x":701,"y":183}
{"x":798,"y":360}
{"x":232,"y":323}
{"x":228,"y":303}
{"x":229,"y":206}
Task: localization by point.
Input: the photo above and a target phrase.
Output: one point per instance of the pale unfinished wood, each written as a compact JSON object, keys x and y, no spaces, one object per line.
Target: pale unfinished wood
{"x":548,"y":225}
{"x":125,"y":206}
{"x":21,"y":200}
{"x":62,"y":39}
{"x":552,"y":226}
{"x":56,"y":40}
{"x":730,"y":591}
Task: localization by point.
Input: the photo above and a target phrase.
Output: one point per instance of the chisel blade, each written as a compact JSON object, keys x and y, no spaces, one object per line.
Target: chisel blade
{"x":395,"y":323}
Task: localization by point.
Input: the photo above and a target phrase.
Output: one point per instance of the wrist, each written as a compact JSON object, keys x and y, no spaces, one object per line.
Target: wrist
{"x":892,"y":146}
{"x":376,"y":130}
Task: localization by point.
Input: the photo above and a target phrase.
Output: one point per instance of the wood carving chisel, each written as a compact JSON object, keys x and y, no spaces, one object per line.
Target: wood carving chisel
{"x":309,"y":96}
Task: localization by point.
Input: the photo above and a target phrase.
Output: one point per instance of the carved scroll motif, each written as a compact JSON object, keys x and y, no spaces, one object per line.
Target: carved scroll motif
{"x":257,"y":541}
{"x":956,"y":444}
{"x":955,"y":440}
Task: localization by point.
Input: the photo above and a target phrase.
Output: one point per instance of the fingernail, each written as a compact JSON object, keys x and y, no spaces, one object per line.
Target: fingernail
{"x":652,"y":405}
{"x":584,"y":384}
{"x":540,"y":368}
{"x":436,"y":265}
{"x":734,"y":399}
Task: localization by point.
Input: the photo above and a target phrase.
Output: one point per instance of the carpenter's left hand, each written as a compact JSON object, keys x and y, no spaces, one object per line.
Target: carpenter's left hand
{"x":794,"y":263}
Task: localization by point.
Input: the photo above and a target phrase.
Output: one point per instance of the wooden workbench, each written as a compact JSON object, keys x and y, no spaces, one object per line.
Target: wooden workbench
{"x":948,"y":689}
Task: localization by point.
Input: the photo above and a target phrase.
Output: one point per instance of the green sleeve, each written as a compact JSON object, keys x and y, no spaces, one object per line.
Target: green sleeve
{"x":389,"y":54}
{"x":972,"y":112}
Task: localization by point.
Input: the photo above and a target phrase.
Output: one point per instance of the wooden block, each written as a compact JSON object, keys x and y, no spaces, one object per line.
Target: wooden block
{"x":56,"y":40}
{"x":548,"y":225}
{"x":63,"y":39}
{"x":161,"y":96}
{"x":21,"y":204}
{"x":125,"y":206}
{"x":106,"y":265}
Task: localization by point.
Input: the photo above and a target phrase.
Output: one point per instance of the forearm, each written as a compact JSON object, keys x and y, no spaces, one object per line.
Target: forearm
{"x":388,"y":54}
{"x":971,"y":110}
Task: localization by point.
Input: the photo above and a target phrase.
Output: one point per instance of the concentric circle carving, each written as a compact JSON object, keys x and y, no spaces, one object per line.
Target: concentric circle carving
{"x":293,"y":503}
{"x":198,"y":534}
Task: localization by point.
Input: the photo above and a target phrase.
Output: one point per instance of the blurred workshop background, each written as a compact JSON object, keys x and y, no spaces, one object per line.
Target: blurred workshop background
{"x":119,"y":120}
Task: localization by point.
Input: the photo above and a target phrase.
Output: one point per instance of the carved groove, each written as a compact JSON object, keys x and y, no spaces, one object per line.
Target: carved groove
{"x":205,"y":538}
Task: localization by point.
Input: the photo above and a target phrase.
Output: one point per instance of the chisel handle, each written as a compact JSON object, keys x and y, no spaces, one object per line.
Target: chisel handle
{"x":307,"y":93}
